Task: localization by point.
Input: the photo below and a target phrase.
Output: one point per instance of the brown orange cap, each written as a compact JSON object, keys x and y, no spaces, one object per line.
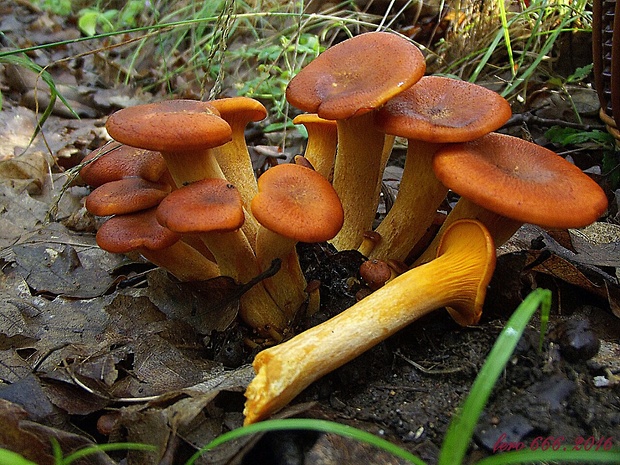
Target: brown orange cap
{"x":356,"y":75}
{"x":440,"y":109}
{"x":170,"y":126}
{"x":114,"y":161}
{"x":125,"y":233}
{"x":126,"y":195}
{"x":240,"y":108}
{"x":209,"y":205}
{"x":520,"y":180}
{"x":299,"y":203}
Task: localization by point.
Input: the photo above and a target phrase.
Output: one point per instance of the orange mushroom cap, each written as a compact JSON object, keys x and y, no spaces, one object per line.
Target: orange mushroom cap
{"x":170,"y":126}
{"x":114,"y":161}
{"x":520,"y":180}
{"x":441,"y":109}
{"x":209,"y":205}
{"x":356,"y":75}
{"x":126,"y":195}
{"x":126,"y":233}
{"x":298,"y":203}
{"x":244,"y":109}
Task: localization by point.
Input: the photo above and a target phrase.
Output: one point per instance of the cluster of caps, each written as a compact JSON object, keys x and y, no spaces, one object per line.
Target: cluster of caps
{"x":179,"y":186}
{"x":372,"y":89}
{"x":358,"y":96}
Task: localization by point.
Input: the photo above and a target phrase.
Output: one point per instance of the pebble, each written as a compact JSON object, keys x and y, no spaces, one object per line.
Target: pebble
{"x":577,"y":340}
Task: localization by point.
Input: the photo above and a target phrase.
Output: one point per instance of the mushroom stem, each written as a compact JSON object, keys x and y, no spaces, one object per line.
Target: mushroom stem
{"x":234,"y":158}
{"x":182,"y":261}
{"x":413,"y":211}
{"x":287,"y":286}
{"x":457,"y":278}
{"x":356,"y":174}
{"x":187,"y":167}
{"x":236,"y":259}
{"x":322,"y":142}
{"x":500,"y":227}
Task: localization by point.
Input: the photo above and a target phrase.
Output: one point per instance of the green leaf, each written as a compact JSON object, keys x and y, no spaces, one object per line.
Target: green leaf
{"x":580,"y":73}
{"x":87,"y":22}
{"x":572,"y":136}
{"x":8,"y":457}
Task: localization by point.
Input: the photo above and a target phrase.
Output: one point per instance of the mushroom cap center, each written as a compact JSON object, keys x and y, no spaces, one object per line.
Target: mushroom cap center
{"x":297,"y":202}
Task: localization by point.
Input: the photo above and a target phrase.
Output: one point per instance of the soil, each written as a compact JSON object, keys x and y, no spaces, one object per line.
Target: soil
{"x":406,"y":390}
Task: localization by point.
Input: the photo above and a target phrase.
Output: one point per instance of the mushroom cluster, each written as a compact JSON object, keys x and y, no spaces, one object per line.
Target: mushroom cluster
{"x":179,"y":176}
{"x":451,"y":144}
{"x":178,"y":184}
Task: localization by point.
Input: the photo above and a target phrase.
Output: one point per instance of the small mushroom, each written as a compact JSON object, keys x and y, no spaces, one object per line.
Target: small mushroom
{"x":125,"y":195}
{"x":322,"y":142}
{"x":457,"y":278}
{"x":140,"y":232}
{"x":293,"y":204}
{"x":505,"y":181}
{"x":434,"y":111}
{"x":213,"y":209}
{"x":183,"y":131}
{"x":376,"y":273}
{"x":346,"y":83}
{"x":114,"y":161}
{"x":233,"y":157}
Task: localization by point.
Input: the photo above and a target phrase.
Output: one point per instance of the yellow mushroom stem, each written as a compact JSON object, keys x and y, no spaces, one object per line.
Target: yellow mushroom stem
{"x":419,"y":195}
{"x":287,"y":286}
{"x":182,"y":261}
{"x":322,"y":142}
{"x":357,"y":173}
{"x":236,"y":259}
{"x":500,"y":227}
{"x":457,"y":278}
{"x":234,"y":158}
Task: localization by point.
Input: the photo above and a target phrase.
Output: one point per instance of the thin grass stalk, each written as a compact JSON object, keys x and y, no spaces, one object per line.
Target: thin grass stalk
{"x":506,"y":34}
{"x":461,"y":428}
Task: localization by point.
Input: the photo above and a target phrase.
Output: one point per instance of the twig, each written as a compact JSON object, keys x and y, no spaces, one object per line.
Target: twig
{"x":529,"y":118}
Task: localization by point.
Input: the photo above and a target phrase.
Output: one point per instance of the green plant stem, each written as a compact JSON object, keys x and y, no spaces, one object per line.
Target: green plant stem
{"x":312,"y":425}
{"x":461,"y":428}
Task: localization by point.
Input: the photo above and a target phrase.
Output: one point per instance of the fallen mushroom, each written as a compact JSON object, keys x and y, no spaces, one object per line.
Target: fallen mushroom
{"x":457,"y":278}
{"x":140,"y":232}
{"x":505,"y":181}
{"x":213,"y":209}
{"x":346,"y":83}
{"x":293,"y":204}
{"x":434,"y":111}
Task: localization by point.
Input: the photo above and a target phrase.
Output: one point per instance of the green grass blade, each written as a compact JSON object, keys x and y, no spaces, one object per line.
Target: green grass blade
{"x":106,"y":448}
{"x":461,"y":428}
{"x":506,"y":34}
{"x":313,"y":425}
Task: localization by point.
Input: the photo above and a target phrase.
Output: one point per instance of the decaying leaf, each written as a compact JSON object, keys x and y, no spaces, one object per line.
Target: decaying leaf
{"x":33,"y":440}
{"x":593,"y":251}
